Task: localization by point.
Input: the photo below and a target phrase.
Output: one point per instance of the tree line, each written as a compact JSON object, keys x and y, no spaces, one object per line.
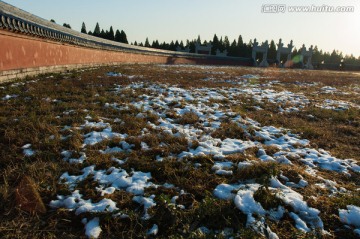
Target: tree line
{"x":239,"y":48}
{"x":118,"y":36}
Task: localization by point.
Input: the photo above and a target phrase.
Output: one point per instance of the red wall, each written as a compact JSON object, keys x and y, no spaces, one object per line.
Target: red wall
{"x":21,"y":52}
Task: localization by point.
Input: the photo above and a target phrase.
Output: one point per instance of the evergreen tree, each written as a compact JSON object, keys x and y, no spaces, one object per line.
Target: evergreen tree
{"x":102,"y":34}
{"x":110,"y":34}
{"x":97,"y":30}
{"x":335,"y":57}
{"x":123,"y":37}
{"x":182,"y":45}
{"x":294,"y":54}
{"x":326,"y":57}
{"x":272,"y":51}
{"x":172,"y":46}
{"x":350,"y":59}
{"x":118,"y":36}
{"x":233,"y":49}
{"x":215,"y":44}
{"x":198,"y":39}
{"x":192,"y":46}
{"x":241,"y":47}
{"x":226,"y":43}
{"x":135,"y":43}
{"x":316,"y":57}
{"x":240,"y":42}
{"x":90,"y":33}
{"x":248,"y":49}
{"x":321,"y":56}
{"x":52,"y":20}
{"x":83,"y":28}
{"x":165,"y":46}
{"x":155,"y":44}
{"x":221,"y":44}
{"x":147,"y":44}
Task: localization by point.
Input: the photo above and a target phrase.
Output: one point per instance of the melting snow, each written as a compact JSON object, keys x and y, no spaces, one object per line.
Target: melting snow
{"x":94,"y":137}
{"x":290,"y":146}
{"x":295,"y":200}
{"x":147,"y":202}
{"x":92,"y":228}
{"x":350,"y":216}
{"x":67,"y":154}
{"x":223,"y":168}
{"x":27,"y":151}
{"x":8,"y":97}
{"x":328,"y":89}
{"x":154,"y":230}
{"x":75,"y":202}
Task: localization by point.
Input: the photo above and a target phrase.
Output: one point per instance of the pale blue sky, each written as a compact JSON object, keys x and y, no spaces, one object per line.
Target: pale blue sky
{"x":167,"y":20}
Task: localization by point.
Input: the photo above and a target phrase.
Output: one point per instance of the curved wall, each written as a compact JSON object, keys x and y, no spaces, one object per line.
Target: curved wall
{"x":22,"y":55}
{"x":31,"y":45}
{"x":22,"y":52}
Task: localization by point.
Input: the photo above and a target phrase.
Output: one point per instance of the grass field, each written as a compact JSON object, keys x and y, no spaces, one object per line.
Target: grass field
{"x":145,"y":151}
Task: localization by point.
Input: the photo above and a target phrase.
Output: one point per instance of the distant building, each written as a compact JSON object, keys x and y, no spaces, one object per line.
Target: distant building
{"x":206,"y":50}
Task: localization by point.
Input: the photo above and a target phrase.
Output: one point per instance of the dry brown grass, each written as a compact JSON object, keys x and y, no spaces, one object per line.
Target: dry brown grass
{"x":230,"y":130}
{"x":188,"y":118}
{"x":260,"y":171}
{"x":35,"y":118}
{"x":27,"y":197}
{"x":337,"y":133}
